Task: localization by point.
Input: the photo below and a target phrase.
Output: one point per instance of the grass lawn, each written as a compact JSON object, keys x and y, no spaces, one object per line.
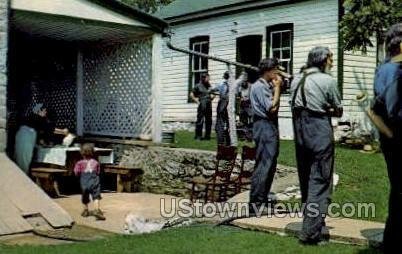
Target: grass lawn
{"x":195,"y":239}
{"x":363,"y":177}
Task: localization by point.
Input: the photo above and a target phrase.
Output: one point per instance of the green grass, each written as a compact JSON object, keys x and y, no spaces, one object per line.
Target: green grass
{"x":363,"y":177}
{"x":195,"y":239}
{"x":185,"y":139}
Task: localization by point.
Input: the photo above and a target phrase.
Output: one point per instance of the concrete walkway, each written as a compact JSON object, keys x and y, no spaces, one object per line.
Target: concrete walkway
{"x":116,"y":206}
{"x":341,"y":230}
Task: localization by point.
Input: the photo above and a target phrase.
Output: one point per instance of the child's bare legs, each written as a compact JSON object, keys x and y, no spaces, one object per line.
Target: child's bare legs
{"x":97,"y":204}
{"x":85,"y":201}
{"x":98,"y":213}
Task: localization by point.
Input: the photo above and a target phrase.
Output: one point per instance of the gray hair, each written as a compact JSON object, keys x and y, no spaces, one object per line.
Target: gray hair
{"x":317,"y":57}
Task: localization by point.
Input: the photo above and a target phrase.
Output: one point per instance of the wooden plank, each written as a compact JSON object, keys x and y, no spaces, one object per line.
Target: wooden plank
{"x":28,"y":197}
{"x":116,"y":141}
{"x":117,"y":171}
{"x":48,"y":170}
{"x":123,"y":171}
{"x":11,"y":221}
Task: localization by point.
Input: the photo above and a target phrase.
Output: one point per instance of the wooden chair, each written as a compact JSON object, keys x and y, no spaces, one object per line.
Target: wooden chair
{"x":219,"y":182}
{"x":244,"y":178}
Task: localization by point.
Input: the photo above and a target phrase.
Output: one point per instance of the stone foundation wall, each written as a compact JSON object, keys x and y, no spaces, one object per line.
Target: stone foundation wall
{"x":3,"y":72}
{"x":178,"y":126}
{"x":170,"y":170}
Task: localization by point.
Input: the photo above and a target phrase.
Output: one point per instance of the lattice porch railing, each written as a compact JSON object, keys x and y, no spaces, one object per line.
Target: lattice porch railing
{"x":117,"y":90}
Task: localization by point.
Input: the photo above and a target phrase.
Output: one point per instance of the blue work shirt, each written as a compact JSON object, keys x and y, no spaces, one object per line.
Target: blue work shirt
{"x":386,"y":90}
{"x":222,"y":89}
{"x":261,"y":96}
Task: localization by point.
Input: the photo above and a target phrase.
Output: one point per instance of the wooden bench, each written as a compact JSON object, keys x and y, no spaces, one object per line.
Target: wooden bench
{"x":46,"y":178}
{"x":125,"y":176}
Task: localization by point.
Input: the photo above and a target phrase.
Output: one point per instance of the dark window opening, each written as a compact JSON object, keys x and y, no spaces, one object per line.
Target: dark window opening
{"x":249,"y":51}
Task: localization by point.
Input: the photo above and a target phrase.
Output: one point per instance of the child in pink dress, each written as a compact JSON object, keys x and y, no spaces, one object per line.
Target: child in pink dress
{"x":88,"y":170}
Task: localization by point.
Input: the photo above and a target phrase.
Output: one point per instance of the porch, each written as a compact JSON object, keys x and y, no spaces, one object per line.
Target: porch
{"x":93,"y":63}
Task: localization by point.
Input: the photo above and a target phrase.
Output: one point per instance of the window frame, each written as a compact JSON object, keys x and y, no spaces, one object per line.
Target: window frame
{"x":197,"y":41}
{"x":280,"y":28}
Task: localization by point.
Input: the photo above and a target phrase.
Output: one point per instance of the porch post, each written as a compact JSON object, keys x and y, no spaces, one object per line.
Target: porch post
{"x":80,"y":94}
{"x":4,"y":8}
{"x":156,"y":88}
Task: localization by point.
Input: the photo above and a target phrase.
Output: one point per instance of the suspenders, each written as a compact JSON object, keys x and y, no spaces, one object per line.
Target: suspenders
{"x":301,"y":86}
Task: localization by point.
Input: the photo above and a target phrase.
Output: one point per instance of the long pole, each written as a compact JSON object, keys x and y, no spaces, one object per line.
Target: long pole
{"x":214,"y":58}
{"x":232,"y":86}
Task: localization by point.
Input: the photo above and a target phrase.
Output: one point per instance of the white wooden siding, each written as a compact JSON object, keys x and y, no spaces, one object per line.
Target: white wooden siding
{"x":315,"y":23}
{"x":358,"y":76}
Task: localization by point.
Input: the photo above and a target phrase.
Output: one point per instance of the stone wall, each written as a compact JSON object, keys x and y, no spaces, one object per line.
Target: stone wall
{"x":3,"y":71}
{"x":178,"y":126}
{"x":170,"y":170}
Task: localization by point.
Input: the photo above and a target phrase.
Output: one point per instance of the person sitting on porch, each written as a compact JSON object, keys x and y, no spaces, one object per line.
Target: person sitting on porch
{"x":36,"y":126}
{"x":88,"y":170}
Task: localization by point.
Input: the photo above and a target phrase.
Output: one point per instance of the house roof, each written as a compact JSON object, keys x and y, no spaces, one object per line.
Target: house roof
{"x":129,"y":11}
{"x":180,"y":7}
{"x":111,"y":11}
{"x":83,"y":20}
{"x":180,"y":11}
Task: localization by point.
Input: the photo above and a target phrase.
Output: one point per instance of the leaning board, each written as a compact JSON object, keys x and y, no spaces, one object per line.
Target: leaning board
{"x":26,"y":197}
{"x":11,"y":221}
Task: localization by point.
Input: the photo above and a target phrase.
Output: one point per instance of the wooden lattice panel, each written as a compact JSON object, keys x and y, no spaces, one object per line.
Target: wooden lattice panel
{"x":118,"y":89}
{"x":59,"y":94}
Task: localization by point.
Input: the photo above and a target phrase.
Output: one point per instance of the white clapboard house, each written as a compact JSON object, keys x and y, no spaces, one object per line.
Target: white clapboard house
{"x":248,"y":30}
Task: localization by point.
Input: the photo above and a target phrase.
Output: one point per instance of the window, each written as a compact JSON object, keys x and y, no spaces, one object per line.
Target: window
{"x":198,"y":65}
{"x":280,"y":44}
{"x":249,"y":51}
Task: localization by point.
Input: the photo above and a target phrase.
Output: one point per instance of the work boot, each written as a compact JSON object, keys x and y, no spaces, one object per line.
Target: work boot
{"x":99,"y":215}
{"x":85,"y":213}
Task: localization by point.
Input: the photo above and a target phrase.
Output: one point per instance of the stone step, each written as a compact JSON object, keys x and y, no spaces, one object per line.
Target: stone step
{"x":343,"y":230}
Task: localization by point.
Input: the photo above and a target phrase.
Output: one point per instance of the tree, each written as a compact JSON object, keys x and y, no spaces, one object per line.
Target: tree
{"x":367,"y":19}
{"x":149,"y":6}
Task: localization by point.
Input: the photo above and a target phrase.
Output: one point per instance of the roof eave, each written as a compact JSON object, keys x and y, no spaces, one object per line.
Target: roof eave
{"x":226,"y":10}
{"x":157,"y":24}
